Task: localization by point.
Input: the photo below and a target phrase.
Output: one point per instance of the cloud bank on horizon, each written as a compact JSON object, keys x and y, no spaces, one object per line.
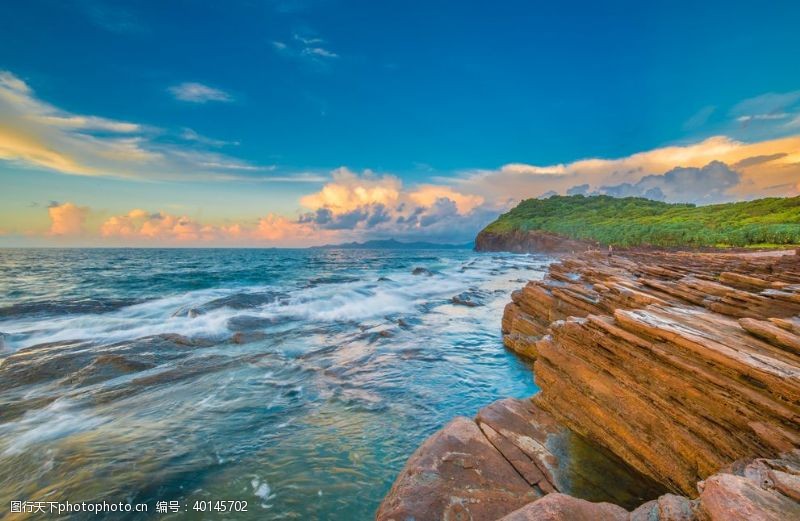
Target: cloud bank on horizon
{"x":353,"y":206}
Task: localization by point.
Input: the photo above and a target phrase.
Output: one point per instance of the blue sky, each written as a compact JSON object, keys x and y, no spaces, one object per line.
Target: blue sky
{"x":270,"y":98}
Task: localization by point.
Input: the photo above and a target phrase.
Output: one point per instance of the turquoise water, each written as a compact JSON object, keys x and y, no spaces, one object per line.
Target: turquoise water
{"x":298,"y":381}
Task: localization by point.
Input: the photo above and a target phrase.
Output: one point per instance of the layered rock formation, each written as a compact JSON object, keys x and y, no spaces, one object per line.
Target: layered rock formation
{"x":678,"y":364}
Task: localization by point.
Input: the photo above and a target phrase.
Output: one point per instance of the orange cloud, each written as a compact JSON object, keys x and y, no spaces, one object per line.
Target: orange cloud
{"x":67,"y":219}
{"x":349,"y":191}
{"x":140,"y":226}
{"x":276,"y":228}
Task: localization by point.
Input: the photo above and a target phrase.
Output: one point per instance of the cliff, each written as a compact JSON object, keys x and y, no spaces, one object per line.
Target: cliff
{"x":677,"y":365}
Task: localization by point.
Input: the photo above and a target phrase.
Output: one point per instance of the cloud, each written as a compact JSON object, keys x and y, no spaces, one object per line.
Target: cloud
{"x":770,"y":114}
{"x":379,"y":206}
{"x":35,"y":133}
{"x":709,"y":184}
{"x":427,"y":195}
{"x":772,"y":105}
{"x":66,"y":219}
{"x":758,"y":160}
{"x":142,"y":227}
{"x":199,"y":93}
{"x":349,"y":191}
{"x":579,"y":190}
{"x":757,"y":177}
{"x":188,"y":134}
{"x":310,"y":50}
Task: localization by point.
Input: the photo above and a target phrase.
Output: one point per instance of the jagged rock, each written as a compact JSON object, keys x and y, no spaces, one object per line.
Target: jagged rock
{"x":421,"y":271}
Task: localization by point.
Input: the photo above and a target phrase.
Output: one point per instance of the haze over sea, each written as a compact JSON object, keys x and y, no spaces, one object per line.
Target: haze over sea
{"x":296,"y":380}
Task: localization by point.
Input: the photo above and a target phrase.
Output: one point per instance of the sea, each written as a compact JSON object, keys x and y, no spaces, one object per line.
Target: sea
{"x":241,"y":383}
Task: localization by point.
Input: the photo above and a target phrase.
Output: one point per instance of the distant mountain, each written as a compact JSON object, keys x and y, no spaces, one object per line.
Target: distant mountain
{"x":392,"y":244}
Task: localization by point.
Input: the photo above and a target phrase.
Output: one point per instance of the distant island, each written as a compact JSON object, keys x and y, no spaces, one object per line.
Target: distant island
{"x":563,"y":223}
{"x":392,"y":244}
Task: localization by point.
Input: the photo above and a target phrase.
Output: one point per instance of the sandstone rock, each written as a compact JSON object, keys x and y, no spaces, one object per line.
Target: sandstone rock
{"x":456,"y":474}
{"x":513,"y":452}
{"x":679,"y":363}
{"x":560,"y":507}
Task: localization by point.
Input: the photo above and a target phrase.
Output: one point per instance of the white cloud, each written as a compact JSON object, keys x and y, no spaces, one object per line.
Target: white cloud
{"x":310,"y":50}
{"x":199,"y":93}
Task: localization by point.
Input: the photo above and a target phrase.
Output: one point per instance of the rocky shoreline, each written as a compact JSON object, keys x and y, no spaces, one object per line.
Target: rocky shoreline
{"x":677,"y":370}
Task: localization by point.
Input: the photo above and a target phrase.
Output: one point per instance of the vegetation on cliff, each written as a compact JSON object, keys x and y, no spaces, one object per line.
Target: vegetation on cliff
{"x":634,"y":221}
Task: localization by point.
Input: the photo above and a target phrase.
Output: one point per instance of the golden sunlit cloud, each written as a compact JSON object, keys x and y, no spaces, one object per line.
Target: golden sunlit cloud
{"x":142,"y":227}
{"x":349,"y":191}
{"x":67,"y":219}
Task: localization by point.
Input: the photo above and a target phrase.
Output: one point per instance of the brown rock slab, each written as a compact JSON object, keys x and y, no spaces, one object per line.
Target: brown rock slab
{"x":456,"y":474}
{"x":560,"y":507}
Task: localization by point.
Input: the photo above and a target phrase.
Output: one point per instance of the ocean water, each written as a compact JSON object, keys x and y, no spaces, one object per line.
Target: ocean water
{"x":297,"y":381}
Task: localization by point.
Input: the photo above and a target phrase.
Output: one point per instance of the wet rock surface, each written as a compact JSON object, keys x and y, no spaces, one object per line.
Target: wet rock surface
{"x":471,"y":298}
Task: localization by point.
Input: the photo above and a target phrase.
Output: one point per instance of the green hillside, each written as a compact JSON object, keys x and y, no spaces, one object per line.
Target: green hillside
{"x":634,"y":221}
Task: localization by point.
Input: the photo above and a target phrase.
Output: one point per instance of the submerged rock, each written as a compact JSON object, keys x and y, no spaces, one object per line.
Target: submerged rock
{"x":471,"y":298}
{"x":421,"y":271}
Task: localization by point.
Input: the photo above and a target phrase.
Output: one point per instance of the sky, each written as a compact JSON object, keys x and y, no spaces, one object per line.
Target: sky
{"x":301,"y":122}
